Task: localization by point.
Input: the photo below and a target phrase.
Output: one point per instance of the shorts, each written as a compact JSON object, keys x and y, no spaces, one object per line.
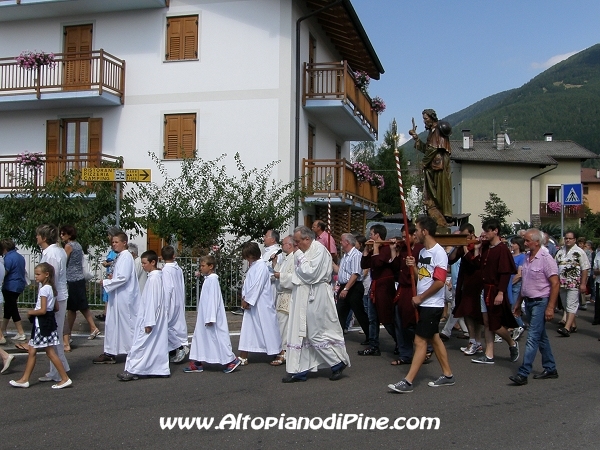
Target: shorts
{"x":570,"y":299}
{"x":429,"y":322}
{"x":77,"y":300}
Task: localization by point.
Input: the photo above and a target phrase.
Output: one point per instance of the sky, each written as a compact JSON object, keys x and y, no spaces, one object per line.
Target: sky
{"x":449,"y":54}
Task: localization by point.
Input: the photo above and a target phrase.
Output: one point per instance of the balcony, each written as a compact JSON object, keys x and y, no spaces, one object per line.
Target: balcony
{"x":345,"y":189}
{"x":37,"y":9}
{"x":12,"y":174}
{"x":331,"y":95}
{"x":94,"y":78}
{"x":551,"y":210}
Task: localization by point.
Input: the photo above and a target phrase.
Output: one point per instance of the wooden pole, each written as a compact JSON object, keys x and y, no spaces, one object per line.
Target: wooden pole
{"x":403,"y":202}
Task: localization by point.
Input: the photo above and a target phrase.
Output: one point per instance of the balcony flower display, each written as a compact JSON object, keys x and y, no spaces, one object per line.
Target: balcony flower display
{"x":362,"y":172}
{"x":378,"y":181}
{"x":33,"y":161}
{"x":555,"y":206}
{"x":362,"y":80}
{"x":378,"y":105}
{"x":31,"y":60}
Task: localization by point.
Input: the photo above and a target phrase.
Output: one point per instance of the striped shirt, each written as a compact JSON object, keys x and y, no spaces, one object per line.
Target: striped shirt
{"x":350,"y":265}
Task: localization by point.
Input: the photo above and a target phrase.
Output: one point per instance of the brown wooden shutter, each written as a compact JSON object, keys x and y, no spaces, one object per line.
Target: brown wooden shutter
{"x":182,"y":38}
{"x":180,"y":136}
{"x":95,"y":141}
{"x":172,"y":135}
{"x":154,"y":241}
{"x":52,"y":149}
{"x":190,"y":37}
{"x":77,"y":69}
{"x":188,"y":135}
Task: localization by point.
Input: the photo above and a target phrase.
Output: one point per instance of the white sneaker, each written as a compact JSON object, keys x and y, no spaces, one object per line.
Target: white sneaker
{"x":517,"y":332}
{"x":497,"y":339}
{"x":180,"y":355}
{"x":19,"y":337}
{"x":471,"y":349}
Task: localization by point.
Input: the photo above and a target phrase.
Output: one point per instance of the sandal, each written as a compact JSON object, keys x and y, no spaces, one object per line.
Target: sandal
{"x":279,"y":360}
{"x":243,"y":361}
{"x":24,"y":347}
{"x":94,"y":334}
{"x":399,"y":362}
{"x":427,"y":358}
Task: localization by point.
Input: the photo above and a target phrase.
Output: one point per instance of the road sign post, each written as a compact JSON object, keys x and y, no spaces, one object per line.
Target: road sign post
{"x":116,"y":175}
{"x":571,"y":194}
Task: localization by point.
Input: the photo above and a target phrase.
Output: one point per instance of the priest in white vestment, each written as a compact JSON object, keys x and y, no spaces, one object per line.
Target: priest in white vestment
{"x":260,"y":330}
{"x":315,"y":336}
{"x":211,"y":342}
{"x":175,"y":303}
{"x":122,"y":305}
{"x":148,"y":355}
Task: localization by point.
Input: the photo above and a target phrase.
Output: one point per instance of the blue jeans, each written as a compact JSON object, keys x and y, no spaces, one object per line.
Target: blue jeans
{"x":516,"y":290}
{"x":537,"y":337}
{"x":374,"y":326}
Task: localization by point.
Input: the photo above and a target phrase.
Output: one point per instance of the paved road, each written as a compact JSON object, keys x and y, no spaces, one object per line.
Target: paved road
{"x":483,"y":410}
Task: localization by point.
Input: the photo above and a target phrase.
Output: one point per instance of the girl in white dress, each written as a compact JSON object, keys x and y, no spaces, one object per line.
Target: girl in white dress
{"x":44,"y":331}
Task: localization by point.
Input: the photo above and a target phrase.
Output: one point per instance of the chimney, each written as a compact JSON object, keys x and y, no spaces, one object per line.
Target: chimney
{"x":548,"y":137}
{"x":467,"y":139}
{"x":500,"y":141}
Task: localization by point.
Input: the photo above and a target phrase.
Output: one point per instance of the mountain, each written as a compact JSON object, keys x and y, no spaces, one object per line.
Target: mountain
{"x":563,"y":100}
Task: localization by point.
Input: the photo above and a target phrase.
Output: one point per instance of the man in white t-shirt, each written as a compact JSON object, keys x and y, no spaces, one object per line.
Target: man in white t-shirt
{"x":431,"y":270}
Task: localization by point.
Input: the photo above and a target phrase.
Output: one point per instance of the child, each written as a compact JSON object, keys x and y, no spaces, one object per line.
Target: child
{"x":175,"y":304}
{"x":148,"y":355}
{"x":260,"y":329}
{"x":44,"y":334}
{"x":211,"y":342}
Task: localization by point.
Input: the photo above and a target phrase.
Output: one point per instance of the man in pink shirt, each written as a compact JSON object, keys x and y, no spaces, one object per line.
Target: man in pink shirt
{"x":325,"y":238}
{"x":539,"y":290}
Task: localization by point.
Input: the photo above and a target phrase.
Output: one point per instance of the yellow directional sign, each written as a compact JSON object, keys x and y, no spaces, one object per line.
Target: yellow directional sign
{"x":112,"y":174}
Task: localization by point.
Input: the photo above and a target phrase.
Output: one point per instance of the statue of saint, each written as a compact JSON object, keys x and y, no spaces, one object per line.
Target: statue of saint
{"x":437,"y":190}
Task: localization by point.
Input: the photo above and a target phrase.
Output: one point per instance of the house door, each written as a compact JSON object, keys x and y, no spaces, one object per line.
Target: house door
{"x":77,"y":65}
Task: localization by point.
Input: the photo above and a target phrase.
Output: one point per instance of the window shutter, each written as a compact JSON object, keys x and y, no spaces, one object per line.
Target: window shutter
{"x":52,"y":148}
{"x":172,"y":134}
{"x":188,"y":135}
{"x":154,"y":241}
{"x":173,"y":38}
{"x":182,"y":38}
{"x":95,"y":141}
{"x":190,"y":37}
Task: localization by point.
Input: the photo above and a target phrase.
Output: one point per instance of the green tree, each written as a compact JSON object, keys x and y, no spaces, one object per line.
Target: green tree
{"x":495,"y":208}
{"x":89,"y":207}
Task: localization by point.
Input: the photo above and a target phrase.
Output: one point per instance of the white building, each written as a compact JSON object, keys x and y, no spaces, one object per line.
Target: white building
{"x":183,"y":76}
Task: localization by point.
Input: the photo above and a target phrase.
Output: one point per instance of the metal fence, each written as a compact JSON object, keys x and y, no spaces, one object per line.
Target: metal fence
{"x":230,"y":274}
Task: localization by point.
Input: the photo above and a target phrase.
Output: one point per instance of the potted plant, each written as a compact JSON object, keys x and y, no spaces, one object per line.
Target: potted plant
{"x":31,"y":60}
{"x":362,"y":80}
{"x":362,"y":172}
{"x":378,"y":105}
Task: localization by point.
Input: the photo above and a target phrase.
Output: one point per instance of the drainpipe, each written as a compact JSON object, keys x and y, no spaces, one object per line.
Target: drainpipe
{"x":297,"y":137}
{"x":531,"y":188}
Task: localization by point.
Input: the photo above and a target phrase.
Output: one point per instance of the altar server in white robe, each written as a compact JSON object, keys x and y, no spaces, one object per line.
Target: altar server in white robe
{"x":148,"y":355}
{"x":122,"y":305}
{"x":260,"y":330}
{"x":211,"y":342}
{"x":175,"y":301}
{"x":272,"y":253}
{"x":315,"y":336}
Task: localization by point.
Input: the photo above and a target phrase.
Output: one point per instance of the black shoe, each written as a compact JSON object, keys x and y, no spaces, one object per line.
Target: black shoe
{"x":396,"y":351}
{"x":238,"y":312}
{"x":444,"y":337}
{"x":365,"y":342}
{"x":337,"y":374}
{"x":127,"y":376}
{"x":546,"y":374}
{"x":291,"y":379}
{"x":370,"y":352}
{"x":563,"y":332}
{"x":105,"y":358}
{"x":596,"y":322}
{"x":101,"y":317}
{"x":518,"y":379}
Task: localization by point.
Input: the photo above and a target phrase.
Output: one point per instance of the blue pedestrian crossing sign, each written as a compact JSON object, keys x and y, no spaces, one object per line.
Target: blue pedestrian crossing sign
{"x":572,"y":194}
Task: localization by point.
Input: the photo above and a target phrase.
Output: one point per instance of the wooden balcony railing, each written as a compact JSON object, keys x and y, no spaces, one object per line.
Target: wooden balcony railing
{"x":13,"y":174}
{"x":344,"y":184}
{"x":571,"y":211}
{"x":95,"y":70}
{"x":335,"y":81}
